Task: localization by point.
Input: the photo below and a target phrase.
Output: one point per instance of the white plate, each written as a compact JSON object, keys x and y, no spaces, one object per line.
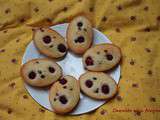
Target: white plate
{"x":71,"y":65}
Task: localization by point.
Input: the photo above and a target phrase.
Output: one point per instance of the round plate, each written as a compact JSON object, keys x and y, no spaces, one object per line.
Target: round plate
{"x":71,"y":65}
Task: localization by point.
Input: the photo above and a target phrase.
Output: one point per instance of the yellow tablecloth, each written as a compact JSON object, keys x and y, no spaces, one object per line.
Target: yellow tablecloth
{"x":134,"y":25}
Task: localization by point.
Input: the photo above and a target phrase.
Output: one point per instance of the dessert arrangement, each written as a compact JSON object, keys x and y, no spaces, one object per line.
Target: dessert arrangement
{"x":64,"y":92}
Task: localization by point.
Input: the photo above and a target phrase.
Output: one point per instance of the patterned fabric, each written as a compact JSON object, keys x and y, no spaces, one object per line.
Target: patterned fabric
{"x":134,"y":25}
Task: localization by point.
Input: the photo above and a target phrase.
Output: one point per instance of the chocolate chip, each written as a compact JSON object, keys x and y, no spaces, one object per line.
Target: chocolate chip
{"x":71,"y":89}
{"x":51,"y":69}
{"x":57,"y":94}
{"x":54,"y":99}
{"x":47,"y":39}
{"x":37,"y":62}
{"x":50,"y":0}
{"x":63,"y":99}
{"x":51,"y":46}
{"x":32,"y":75}
{"x":79,"y":24}
{"x":105,"y":89}
{"x":89,"y":83}
{"x":94,"y":78}
{"x":106,"y":51}
{"x":85,"y":29}
{"x":62,"y":48}
{"x":63,"y":81}
{"x":42,"y":76}
{"x":64,"y":87}
{"x":98,"y":53}
{"x":39,"y":71}
{"x":80,"y":39}
{"x":109,"y":57}
{"x":97,"y":90}
{"x":89,"y":61}
{"x":100,"y":62}
{"x":79,"y":28}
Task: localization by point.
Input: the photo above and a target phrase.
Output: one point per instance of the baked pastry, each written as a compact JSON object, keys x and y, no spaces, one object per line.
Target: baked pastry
{"x":49,"y":42}
{"x":102,"y":57}
{"x":79,"y":34}
{"x":98,"y":85}
{"x":41,"y":72}
{"x":64,"y":95}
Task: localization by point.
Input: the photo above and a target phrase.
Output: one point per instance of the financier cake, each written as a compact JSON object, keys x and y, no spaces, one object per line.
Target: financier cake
{"x":98,"y":85}
{"x":49,"y":42}
{"x":64,"y":95}
{"x":41,"y":72}
{"x":79,"y":34}
{"x":101,"y":57}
